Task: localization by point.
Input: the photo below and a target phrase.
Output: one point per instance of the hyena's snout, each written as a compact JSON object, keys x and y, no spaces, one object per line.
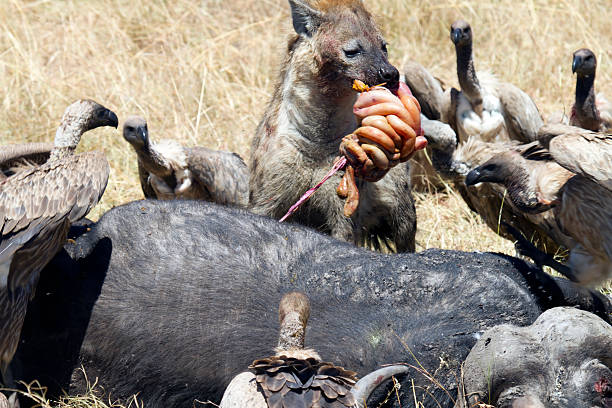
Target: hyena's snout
{"x":389,"y":75}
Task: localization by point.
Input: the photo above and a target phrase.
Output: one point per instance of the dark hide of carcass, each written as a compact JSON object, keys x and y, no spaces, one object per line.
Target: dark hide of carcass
{"x":172,"y":299}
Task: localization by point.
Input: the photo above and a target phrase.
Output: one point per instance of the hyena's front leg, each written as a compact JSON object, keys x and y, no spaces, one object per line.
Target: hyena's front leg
{"x":391,"y":215}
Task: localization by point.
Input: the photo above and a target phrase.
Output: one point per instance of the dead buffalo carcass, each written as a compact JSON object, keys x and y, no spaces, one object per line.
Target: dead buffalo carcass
{"x":170,"y":300}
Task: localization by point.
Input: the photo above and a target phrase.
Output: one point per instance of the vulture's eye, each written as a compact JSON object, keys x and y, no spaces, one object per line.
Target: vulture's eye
{"x":489,"y":167}
{"x":129,"y":128}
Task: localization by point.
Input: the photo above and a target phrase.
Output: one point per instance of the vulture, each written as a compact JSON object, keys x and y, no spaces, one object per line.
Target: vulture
{"x":167,"y":170}
{"x":433,"y":101}
{"x":492,"y":110}
{"x":13,"y":157}
{"x":590,"y":111}
{"x":454,"y":160}
{"x":426,"y":89}
{"x":297,"y":377}
{"x":37,"y":205}
{"x":570,"y":172}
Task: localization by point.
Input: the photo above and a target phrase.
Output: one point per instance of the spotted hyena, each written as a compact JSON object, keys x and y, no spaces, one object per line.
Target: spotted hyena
{"x":335,"y":42}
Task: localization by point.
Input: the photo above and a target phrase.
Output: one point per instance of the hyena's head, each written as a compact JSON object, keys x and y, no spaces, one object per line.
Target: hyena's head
{"x":343,"y":42}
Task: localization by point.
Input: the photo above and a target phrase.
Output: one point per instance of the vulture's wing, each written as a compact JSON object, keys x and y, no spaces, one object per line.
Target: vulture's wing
{"x":291,"y":382}
{"x":605,"y":110}
{"x":223,"y":174}
{"x":586,"y":217}
{"x":521,"y":114}
{"x":19,"y":154}
{"x":580,"y":151}
{"x":37,"y":206}
{"x":425,"y":88}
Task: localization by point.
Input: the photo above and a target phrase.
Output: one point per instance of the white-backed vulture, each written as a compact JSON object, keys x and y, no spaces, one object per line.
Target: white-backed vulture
{"x":297,"y":377}
{"x":488,"y":108}
{"x":590,"y":111}
{"x":572,"y":174}
{"x":168,"y":170}
{"x":454,"y":162}
{"x":37,"y":205}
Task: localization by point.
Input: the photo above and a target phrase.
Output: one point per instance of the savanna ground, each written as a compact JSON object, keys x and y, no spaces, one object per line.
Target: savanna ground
{"x":202,"y":72}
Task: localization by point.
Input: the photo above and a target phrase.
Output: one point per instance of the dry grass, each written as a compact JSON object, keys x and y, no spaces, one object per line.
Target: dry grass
{"x":36,"y":395}
{"x":202,"y":72}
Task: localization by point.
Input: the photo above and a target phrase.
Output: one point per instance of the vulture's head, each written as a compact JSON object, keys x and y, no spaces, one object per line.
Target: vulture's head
{"x":79,"y":117}
{"x":135,"y":131}
{"x":297,"y":303}
{"x":90,"y":115}
{"x":461,"y":33}
{"x":584,"y":63}
{"x":562,"y":360}
{"x":497,"y":169}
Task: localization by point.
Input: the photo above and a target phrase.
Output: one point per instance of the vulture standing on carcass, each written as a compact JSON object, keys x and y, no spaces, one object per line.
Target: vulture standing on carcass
{"x":296,"y":377}
{"x":168,"y":170}
{"x":590,"y":111}
{"x":454,"y":162}
{"x":571,"y":173}
{"x":492,"y":110}
{"x":37,"y":206}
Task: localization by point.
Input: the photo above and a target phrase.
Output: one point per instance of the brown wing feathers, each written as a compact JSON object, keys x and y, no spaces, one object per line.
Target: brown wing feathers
{"x":44,"y":200}
{"x":291,"y":382}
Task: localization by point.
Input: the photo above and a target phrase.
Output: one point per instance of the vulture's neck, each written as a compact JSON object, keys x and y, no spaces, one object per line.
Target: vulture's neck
{"x":292,"y":333}
{"x":153,"y":161}
{"x":522,"y":191}
{"x":587,"y":115}
{"x":67,"y":138}
{"x":467,"y":74}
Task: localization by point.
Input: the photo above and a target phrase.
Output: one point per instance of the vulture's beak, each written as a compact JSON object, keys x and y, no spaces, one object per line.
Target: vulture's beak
{"x":144,"y":134}
{"x":472,"y":178}
{"x":112,"y":119}
{"x":456,"y":35}
{"x":576,"y":63}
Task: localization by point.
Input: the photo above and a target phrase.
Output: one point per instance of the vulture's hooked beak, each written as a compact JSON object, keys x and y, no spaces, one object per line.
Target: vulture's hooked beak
{"x":112,"y":119}
{"x":576,"y":63}
{"x":472,"y":178}
{"x":456,"y":35}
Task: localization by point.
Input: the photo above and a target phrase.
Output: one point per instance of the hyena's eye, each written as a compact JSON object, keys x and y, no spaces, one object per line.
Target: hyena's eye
{"x":352,"y":52}
{"x":383,"y":47}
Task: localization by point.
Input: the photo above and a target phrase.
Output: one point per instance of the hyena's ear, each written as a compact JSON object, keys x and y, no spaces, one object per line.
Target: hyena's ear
{"x":306,"y":20}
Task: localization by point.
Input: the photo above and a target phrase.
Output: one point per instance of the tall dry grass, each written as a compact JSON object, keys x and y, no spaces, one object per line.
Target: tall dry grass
{"x":202,"y":71}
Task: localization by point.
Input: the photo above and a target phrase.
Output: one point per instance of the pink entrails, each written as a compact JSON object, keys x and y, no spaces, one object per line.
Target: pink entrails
{"x":339,"y":165}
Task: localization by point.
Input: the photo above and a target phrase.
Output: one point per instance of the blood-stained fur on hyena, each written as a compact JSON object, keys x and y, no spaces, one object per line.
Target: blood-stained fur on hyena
{"x":311,"y":110}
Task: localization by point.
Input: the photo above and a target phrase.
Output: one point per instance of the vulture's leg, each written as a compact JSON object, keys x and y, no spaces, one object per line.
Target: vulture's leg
{"x":526,"y":248}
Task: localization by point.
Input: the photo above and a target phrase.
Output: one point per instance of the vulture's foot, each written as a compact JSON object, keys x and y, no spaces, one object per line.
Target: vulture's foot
{"x":540,"y":258}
